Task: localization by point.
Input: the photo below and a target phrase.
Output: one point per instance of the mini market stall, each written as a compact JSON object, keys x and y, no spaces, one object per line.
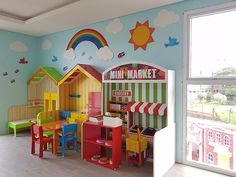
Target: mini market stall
{"x":142,"y":95}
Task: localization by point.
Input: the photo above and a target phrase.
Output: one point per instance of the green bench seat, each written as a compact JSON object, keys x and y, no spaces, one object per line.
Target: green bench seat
{"x":19,"y":124}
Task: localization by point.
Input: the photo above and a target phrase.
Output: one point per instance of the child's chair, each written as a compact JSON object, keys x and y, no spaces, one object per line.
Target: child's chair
{"x":37,"y":137}
{"x":69,"y":134}
{"x":136,"y":147}
{"x":41,"y":121}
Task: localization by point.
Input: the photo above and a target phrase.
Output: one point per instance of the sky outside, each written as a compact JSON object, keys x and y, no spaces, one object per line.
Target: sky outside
{"x":213,"y":43}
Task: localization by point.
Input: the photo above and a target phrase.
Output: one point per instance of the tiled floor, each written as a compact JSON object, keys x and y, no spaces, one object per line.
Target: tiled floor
{"x":16,"y":160}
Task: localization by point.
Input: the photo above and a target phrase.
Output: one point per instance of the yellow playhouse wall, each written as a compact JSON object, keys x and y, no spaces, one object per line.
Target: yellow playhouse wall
{"x":82,"y":86}
{"x":36,"y":90}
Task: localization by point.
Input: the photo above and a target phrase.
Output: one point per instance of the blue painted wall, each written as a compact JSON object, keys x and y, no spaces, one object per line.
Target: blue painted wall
{"x":15,"y":93}
{"x":156,"y":53}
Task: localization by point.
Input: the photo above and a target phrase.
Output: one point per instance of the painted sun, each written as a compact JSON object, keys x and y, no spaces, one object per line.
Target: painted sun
{"x":141,"y":35}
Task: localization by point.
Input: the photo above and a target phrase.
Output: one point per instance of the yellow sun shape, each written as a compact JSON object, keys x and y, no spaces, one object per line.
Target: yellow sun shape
{"x":141,"y":35}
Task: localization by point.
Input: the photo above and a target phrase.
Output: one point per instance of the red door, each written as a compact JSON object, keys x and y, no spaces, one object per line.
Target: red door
{"x":94,"y":103}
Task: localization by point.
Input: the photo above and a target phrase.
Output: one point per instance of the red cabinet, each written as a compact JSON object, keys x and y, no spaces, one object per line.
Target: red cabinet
{"x":103,"y":141}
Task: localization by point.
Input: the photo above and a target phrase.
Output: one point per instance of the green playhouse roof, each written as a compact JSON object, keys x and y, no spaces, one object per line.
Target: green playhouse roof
{"x":43,"y":71}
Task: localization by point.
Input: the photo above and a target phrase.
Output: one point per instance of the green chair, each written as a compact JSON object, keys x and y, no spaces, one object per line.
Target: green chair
{"x":41,"y":121}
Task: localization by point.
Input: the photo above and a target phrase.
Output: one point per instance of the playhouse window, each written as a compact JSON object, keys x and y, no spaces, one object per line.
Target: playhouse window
{"x":226,"y":140}
{"x":210,"y":136}
{"x":210,"y":158}
{"x":218,"y":138}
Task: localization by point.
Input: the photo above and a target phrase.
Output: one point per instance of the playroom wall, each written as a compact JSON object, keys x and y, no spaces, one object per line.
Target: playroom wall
{"x":117,"y":34}
{"x":13,"y":75}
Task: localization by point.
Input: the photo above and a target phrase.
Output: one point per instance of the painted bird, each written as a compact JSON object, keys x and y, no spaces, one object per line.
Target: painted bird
{"x":172,"y":42}
{"x":54,"y":59}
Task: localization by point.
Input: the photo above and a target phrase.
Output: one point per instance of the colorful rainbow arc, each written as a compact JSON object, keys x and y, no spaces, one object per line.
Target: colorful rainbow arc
{"x":87,"y":35}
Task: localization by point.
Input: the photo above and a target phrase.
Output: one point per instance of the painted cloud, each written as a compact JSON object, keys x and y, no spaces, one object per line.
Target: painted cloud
{"x":165,"y":18}
{"x":115,"y":26}
{"x":69,"y":54}
{"x":104,"y":53}
{"x":18,"y":46}
{"x":46,"y":45}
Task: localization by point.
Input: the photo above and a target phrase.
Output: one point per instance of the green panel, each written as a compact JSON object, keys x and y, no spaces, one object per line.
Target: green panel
{"x":155,"y":96}
{"x":155,"y":93}
{"x":113,"y":87}
{"x":40,"y":75}
{"x":120,"y":88}
{"x":155,"y":118}
{"x":52,"y":72}
{"x":163,"y":119}
{"x":133,"y":91}
{"x":163,"y":92}
{"x":36,"y":79}
{"x":126,"y":88}
{"x":147,"y":100}
{"x":140,"y":99}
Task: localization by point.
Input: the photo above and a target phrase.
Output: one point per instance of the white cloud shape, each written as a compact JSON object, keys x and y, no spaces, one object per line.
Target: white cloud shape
{"x":69,"y":54}
{"x":165,"y":18}
{"x":46,"y":45}
{"x":18,"y":46}
{"x":115,"y":26}
{"x":105,"y":53}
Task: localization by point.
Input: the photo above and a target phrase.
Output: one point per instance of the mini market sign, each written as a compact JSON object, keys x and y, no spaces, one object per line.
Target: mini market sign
{"x":134,"y":72}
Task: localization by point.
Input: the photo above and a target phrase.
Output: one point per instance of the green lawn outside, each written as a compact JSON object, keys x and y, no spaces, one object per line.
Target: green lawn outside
{"x":221,"y":112}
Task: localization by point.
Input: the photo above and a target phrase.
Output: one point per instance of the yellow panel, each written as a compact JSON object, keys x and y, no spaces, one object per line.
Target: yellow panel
{"x":223,"y":162}
{"x":46,"y":101}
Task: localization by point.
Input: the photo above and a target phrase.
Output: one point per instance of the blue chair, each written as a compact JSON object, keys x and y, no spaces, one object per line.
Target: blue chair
{"x":68,"y":134}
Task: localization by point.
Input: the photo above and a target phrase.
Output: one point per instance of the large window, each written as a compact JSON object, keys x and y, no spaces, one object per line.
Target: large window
{"x":210,"y":88}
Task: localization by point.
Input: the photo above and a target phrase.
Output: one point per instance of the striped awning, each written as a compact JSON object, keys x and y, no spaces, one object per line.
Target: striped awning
{"x":147,"y":108}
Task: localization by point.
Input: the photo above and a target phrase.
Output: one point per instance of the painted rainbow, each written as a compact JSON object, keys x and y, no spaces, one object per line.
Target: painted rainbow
{"x":87,"y":35}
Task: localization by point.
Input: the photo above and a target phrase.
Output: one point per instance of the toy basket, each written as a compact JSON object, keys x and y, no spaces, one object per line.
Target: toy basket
{"x":132,"y":144}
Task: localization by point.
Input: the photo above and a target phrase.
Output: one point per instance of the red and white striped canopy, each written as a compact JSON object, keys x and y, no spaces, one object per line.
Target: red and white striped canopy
{"x":147,"y":108}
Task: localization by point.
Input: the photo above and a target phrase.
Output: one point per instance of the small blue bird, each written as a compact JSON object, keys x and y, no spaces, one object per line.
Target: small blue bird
{"x":172,"y":42}
{"x":54,"y":59}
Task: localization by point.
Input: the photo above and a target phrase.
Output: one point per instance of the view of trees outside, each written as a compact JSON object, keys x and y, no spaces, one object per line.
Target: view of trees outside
{"x":217,"y":102}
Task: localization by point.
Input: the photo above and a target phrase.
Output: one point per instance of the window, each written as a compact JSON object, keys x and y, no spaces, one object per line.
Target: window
{"x":218,"y":138}
{"x":210,"y":158}
{"x":210,"y":136}
{"x":226,"y":140}
{"x":210,"y":82}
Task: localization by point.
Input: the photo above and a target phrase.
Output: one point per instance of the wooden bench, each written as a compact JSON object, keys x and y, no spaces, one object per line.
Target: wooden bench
{"x":20,"y":117}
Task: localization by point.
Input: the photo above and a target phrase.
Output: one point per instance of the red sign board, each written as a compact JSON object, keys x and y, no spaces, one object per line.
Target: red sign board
{"x":121,"y":93}
{"x":135,"y":72}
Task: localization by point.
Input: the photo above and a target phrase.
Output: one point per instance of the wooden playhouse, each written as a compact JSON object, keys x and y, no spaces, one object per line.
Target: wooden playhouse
{"x":80,"y":94}
{"x":42,"y":96}
{"x":43,"y":89}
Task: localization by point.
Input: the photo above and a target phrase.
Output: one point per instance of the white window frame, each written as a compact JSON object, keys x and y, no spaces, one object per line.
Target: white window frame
{"x":200,"y":81}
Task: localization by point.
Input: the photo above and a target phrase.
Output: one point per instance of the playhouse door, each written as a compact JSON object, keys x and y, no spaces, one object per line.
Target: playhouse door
{"x":50,"y":101}
{"x":223,"y":161}
{"x":94,"y":103}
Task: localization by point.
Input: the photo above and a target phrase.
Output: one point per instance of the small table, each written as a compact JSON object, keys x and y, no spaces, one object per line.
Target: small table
{"x":54,"y":127}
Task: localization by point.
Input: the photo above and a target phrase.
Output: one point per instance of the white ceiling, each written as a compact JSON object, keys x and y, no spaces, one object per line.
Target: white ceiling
{"x":40,"y":17}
